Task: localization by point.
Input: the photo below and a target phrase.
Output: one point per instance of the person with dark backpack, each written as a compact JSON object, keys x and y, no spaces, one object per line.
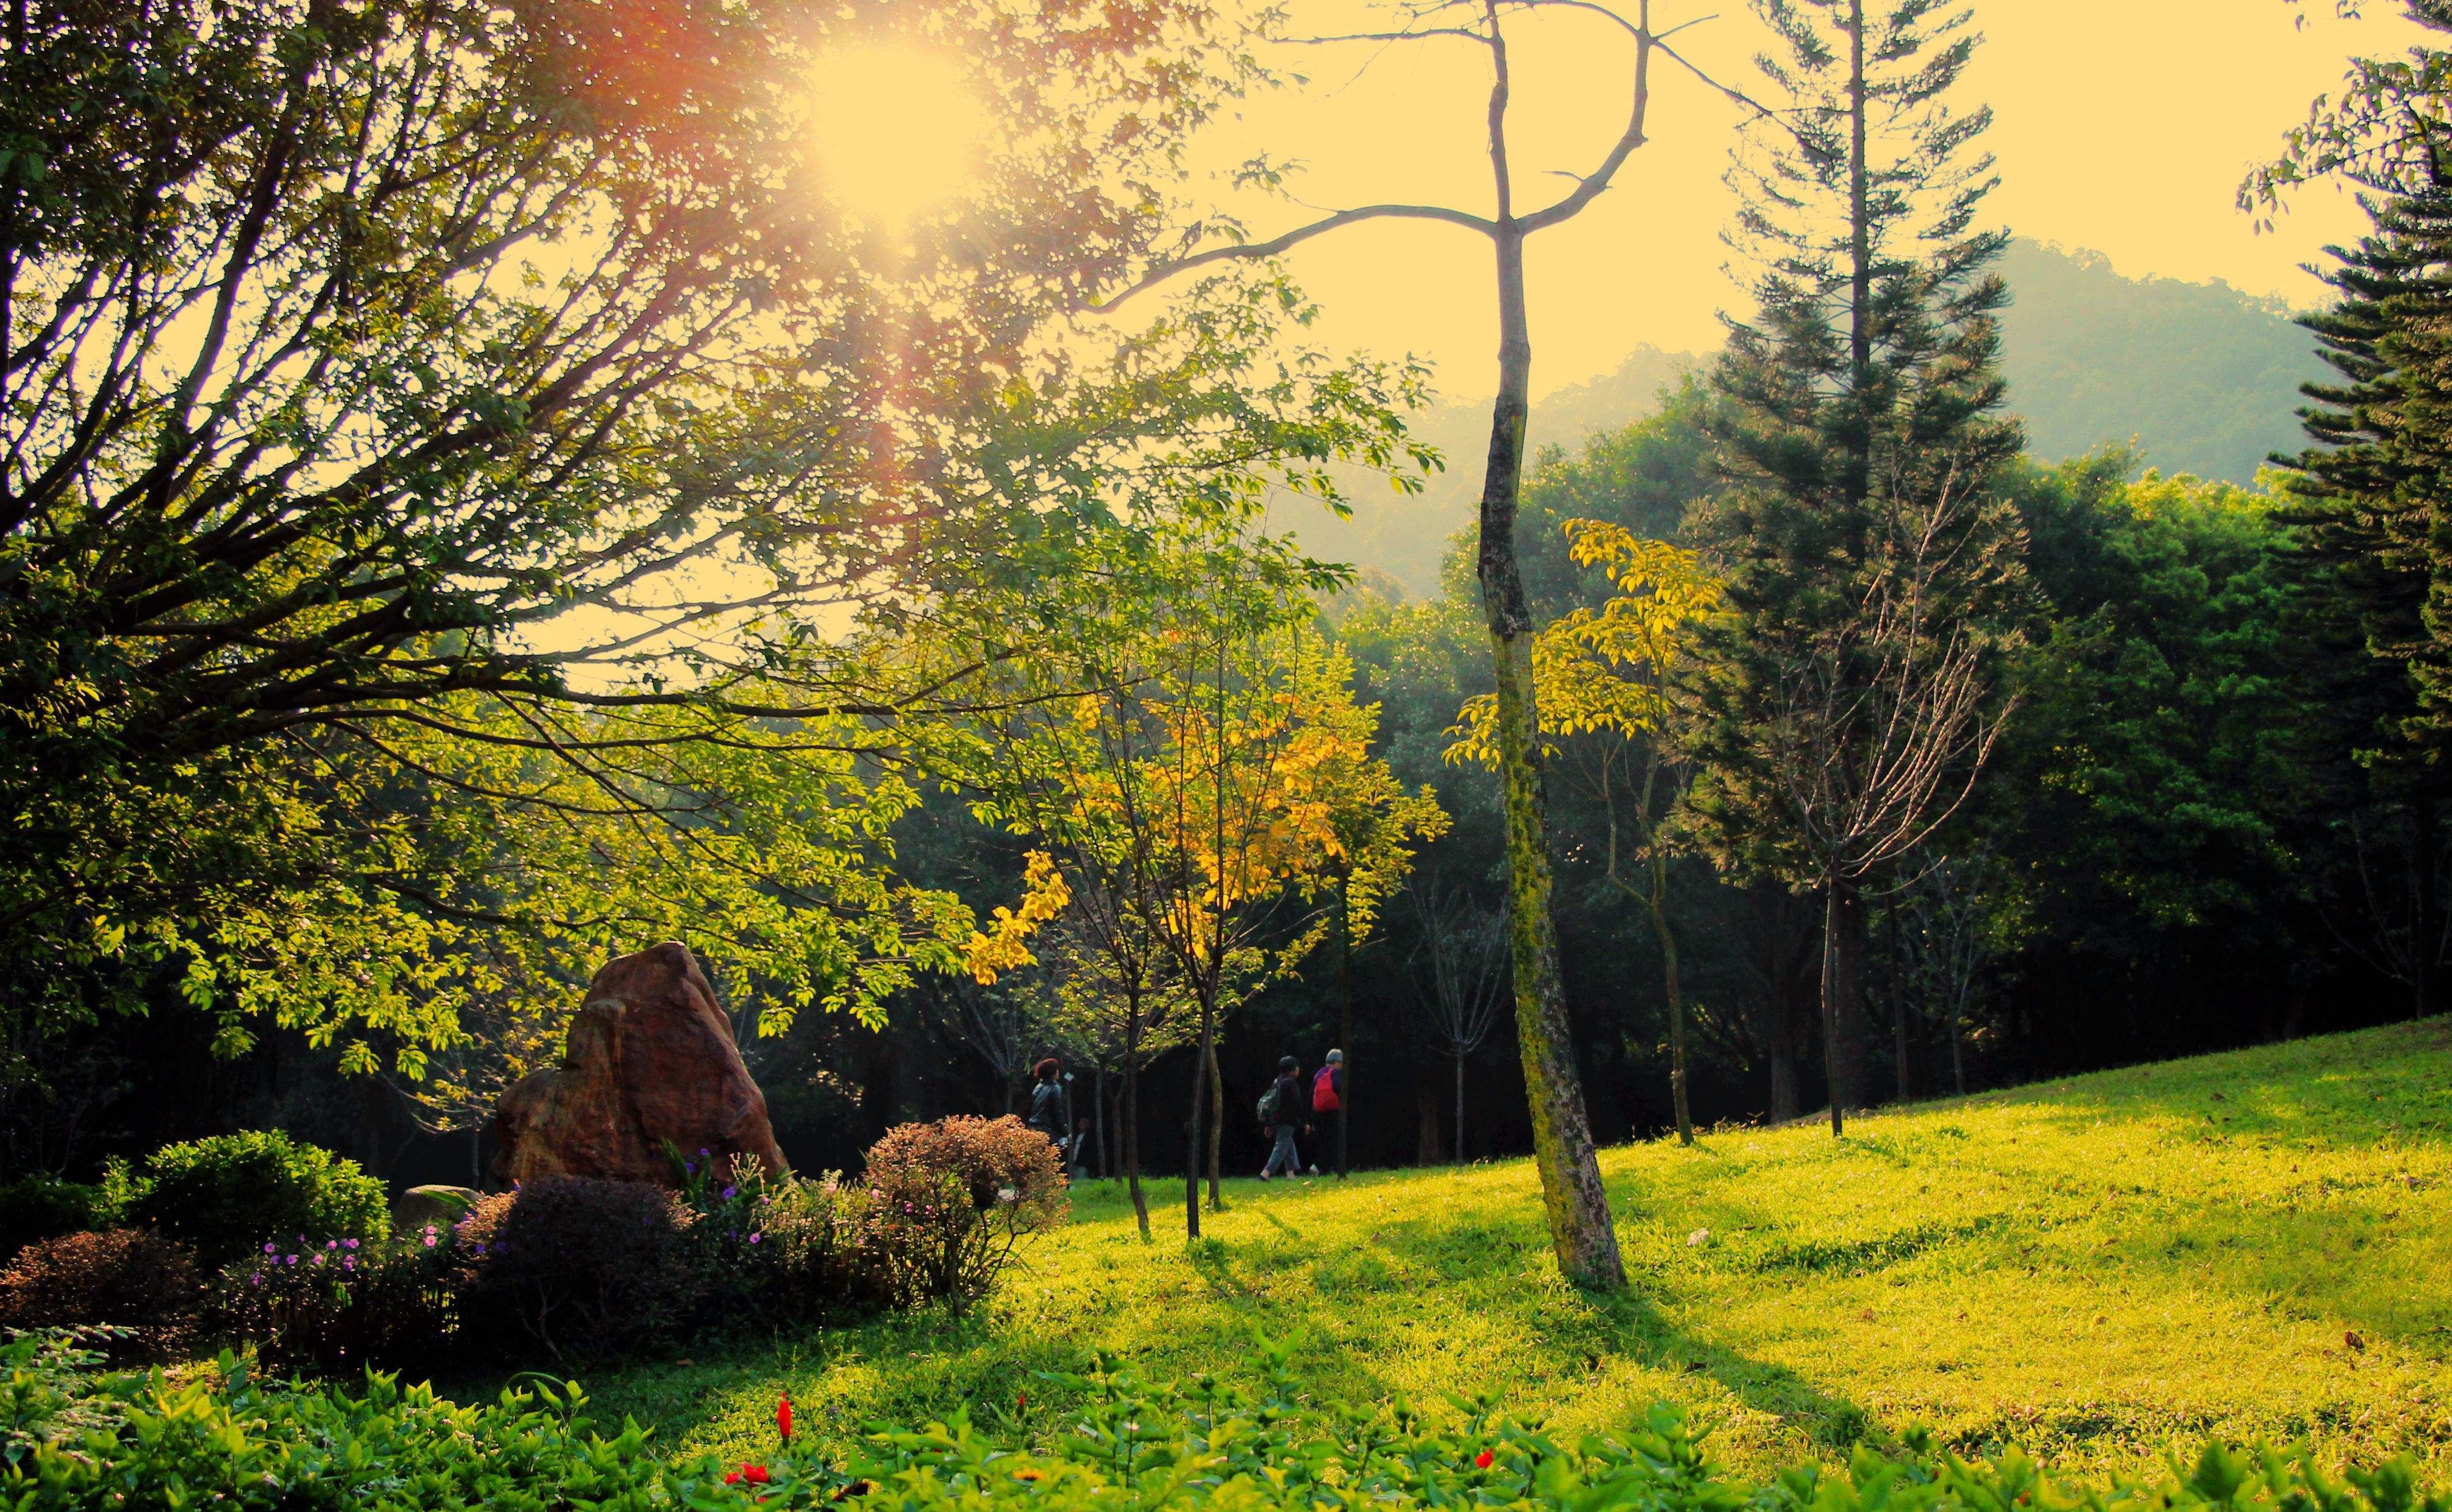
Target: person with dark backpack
{"x":1283,"y":1107}
{"x":1047,"y":1109}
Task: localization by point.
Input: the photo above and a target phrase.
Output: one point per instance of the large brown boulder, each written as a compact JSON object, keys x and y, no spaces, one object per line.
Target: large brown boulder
{"x":650,"y":1064}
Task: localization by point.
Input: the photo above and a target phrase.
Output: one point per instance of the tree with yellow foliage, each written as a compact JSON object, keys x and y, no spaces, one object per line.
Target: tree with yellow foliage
{"x":1608,"y":673}
{"x":1196,"y":763}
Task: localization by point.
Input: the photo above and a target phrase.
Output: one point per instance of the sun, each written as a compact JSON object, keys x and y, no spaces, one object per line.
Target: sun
{"x":897,"y":132}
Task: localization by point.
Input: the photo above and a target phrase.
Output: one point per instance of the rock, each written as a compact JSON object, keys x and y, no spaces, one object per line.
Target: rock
{"x":439,"y":1205}
{"x":651,"y":1063}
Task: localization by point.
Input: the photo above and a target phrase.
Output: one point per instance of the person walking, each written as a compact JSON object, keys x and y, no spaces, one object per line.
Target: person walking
{"x":1047,"y":1102}
{"x":1328,"y":1097}
{"x":1284,"y":1108}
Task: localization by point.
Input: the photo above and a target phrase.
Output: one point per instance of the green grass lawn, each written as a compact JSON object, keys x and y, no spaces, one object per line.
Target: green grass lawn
{"x":2256,"y":1245}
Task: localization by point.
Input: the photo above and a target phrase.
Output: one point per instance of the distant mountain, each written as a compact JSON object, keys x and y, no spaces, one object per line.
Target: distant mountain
{"x":2203,"y":377}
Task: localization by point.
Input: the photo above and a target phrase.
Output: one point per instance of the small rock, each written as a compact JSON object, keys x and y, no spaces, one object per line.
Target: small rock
{"x":1698,"y":1238}
{"x":439,"y":1205}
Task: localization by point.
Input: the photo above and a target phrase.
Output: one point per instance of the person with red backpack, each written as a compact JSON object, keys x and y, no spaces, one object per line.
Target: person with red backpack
{"x":1328,"y":1097}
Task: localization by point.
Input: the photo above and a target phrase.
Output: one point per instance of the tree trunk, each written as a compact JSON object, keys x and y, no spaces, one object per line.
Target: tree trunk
{"x":1216,"y":1129}
{"x":1676,"y":1018}
{"x":1459,"y":1109}
{"x":1898,"y":1004}
{"x":1576,"y":1204}
{"x":1133,"y":1120}
{"x":1344,"y":1018}
{"x":1958,"y":1041}
{"x":1098,"y":1115}
{"x":1194,"y":1123}
{"x":2423,"y":928}
{"x":1783,"y":1080}
{"x":1843,"y":998}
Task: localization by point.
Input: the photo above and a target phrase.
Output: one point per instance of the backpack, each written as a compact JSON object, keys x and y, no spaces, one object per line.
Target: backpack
{"x":1323,"y":1091}
{"x":1268,"y":1104}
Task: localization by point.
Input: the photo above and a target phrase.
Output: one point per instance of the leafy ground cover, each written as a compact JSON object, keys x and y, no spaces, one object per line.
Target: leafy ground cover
{"x":2248,"y":1245}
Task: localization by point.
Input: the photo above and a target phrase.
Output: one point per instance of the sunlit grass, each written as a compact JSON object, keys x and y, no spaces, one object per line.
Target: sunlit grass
{"x":2256,"y":1245}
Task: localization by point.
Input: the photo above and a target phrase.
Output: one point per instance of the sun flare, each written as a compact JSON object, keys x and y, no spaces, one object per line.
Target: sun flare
{"x":897,"y":131}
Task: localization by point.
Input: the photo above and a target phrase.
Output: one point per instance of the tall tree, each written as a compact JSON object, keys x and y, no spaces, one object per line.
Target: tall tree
{"x":2372,"y":500}
{"x":1575,"y":1204}
{"x":1870,"y":571}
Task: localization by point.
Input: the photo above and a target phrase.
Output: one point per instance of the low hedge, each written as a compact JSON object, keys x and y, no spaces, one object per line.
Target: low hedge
{"x":223,"y":1197}
{"x":74,"y":1439}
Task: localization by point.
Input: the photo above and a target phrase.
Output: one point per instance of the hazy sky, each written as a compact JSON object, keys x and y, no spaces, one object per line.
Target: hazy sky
{"x":2123,"y":126}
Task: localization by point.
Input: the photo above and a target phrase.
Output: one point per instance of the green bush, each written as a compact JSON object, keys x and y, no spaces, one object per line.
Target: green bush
{"x":72,"y":1440}
{"x":144,"y":1285}
{"x":42,"y":1207}
{"x":223,"y":1197}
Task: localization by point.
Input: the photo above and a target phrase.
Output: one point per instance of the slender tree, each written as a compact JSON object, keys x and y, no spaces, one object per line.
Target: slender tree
{"x":1464,"y":952}
{"x":1575,"y":1204}
{"x":1851,"y":692}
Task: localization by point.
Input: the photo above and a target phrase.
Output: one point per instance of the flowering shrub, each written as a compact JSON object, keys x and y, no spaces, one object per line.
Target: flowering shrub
{"x":75,"y":1439}
{"x":949,"y":1201}
{"x":344,"y":1305}
{"x":146,"y":1284}
{"x":576,"y":1267}
{"x":223,"y":1197}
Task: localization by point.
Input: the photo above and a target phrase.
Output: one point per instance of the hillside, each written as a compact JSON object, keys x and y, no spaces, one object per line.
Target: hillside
{"x":2254,"y":1244}
{"x":2204,"y":379}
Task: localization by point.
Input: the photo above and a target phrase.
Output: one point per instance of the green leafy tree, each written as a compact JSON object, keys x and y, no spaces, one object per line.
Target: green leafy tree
{"x":442,"y":447}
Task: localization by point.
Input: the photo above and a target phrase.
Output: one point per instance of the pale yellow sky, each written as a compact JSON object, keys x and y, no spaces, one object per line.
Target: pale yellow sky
{"x":2123,"y":126}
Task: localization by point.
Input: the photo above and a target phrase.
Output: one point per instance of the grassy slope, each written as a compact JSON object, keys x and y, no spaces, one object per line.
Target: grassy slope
{"x":2094,"y":1268}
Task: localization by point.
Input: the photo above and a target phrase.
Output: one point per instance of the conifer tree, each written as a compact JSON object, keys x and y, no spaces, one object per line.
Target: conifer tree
{"x":2373,"y":502}
{"x":1851,"y":692}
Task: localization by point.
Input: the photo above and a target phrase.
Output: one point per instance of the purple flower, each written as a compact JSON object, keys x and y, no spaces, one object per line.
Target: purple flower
{"x":256,"y":1280}
{"x":429,"y":1239}
{"x":271,"y":1250}
{"x":353,"y":1244}
{"x":754,"y":1238}
{"x":349,"y":1264}
{"x":729,"y":1192}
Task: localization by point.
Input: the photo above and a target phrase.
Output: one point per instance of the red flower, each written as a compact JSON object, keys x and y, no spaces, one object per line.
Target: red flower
{"x":784,"y":1418}
{"x":1021,"y":1401}
{"x":1484,"y":1460}
{"x":754,"y":1474}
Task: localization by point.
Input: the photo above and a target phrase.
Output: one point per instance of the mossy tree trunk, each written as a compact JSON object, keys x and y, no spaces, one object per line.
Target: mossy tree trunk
{"x":1573,"y":1197}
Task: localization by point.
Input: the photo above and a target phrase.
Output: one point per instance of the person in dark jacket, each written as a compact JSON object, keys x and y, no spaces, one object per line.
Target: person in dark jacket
{"x":1047,"y":1102}
{"x":1291,"y":1107}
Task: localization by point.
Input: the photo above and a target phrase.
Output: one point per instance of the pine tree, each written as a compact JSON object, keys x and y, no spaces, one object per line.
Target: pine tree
{"x":2372,"y":500}
{"x":1852,"y":696}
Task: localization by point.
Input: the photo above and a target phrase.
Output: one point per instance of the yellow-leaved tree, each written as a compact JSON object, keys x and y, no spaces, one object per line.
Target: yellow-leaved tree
{"x":1608,"y":673}
{"x":1197,"y":766}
